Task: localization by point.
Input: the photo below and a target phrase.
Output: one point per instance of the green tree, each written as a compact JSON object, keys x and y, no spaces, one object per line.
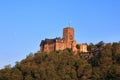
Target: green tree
{"x":5,"y":74}
{"x":16,"y":74}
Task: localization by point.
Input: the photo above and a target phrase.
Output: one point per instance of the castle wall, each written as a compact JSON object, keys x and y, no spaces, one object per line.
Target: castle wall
{"x":74,"y":49}
{"x":67,"y":41}
{"x":60,"y":46}
{"x":83,"y":47}
{"x":41,"y":48}
{"x":49,"y":47}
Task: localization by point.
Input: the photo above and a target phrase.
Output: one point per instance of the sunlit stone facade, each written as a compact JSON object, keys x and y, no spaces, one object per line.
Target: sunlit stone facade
{"x":67,"y":41}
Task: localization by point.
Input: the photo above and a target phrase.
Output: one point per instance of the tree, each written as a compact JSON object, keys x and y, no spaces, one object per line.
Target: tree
{"x":63,"y":65}
{"x":116,"y":52}
{"x":16,"y":74}
{"x":5,"y":74}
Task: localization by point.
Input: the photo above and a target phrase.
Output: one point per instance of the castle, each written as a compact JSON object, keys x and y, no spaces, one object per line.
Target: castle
{"x":67,"y":41}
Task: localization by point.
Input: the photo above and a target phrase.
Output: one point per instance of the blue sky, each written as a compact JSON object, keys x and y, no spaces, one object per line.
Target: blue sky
{"x":24,"y":23}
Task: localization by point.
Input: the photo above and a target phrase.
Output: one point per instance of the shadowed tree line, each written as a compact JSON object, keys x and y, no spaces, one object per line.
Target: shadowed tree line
{"x":64,"y":65}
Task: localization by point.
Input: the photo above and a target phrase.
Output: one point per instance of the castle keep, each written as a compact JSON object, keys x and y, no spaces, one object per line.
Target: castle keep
{"x":67,"y":41}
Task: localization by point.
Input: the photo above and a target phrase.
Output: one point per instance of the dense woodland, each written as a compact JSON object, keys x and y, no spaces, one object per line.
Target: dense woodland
{"x":64,"y":65}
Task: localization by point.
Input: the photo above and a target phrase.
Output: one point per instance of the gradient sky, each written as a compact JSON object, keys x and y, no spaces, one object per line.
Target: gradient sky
{"x":24,"y":23}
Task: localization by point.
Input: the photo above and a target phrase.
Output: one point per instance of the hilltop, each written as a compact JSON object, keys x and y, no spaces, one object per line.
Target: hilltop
{"x":64,"y":65}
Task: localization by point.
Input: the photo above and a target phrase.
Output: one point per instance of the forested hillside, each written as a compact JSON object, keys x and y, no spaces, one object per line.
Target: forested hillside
{"x":64,"y":65}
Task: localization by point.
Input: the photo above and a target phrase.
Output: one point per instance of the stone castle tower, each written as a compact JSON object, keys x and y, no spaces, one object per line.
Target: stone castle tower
{"x":58,"y":43}
{"x":68,"y":37}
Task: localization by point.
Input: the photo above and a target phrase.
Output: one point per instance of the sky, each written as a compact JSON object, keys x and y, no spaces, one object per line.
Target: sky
{"x":24,"y":23}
